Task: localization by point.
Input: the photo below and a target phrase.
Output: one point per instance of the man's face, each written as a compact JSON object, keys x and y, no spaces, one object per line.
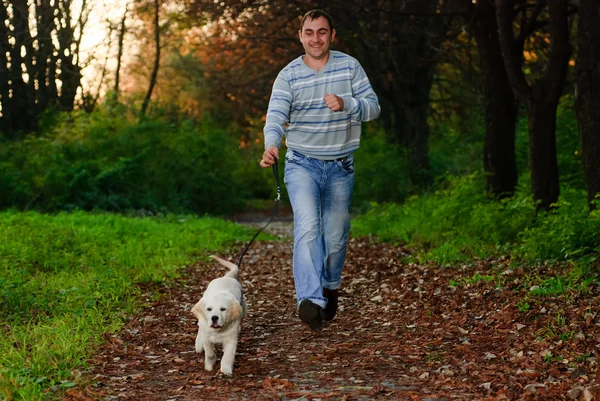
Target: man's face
{"x":316,"y":37}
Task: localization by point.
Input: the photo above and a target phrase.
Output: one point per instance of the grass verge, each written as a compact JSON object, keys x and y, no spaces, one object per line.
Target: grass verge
{"x":67,"y":279}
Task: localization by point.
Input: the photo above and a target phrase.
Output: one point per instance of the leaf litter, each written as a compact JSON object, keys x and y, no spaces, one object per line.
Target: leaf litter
{"x":404,"y":331}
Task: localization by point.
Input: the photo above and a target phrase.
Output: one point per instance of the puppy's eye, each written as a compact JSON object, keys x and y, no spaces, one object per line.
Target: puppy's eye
{"x":223,"y":309}
{"x":209,"y":309}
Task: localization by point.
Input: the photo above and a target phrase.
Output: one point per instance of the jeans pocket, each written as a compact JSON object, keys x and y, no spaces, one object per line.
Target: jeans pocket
{"x":347,"y":165}
{"x":294,"y":157}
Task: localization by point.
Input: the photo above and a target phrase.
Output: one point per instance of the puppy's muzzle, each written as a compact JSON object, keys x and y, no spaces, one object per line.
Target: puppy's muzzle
{"x":215,"y":322}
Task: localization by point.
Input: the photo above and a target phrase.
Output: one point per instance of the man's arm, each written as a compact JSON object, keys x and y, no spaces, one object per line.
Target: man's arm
{"x":278,"y":116}
{"x":363,"y":105}
{"x":278,"y":113}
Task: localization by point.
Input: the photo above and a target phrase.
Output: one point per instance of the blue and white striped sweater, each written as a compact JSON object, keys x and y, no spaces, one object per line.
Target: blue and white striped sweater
{"x":298,"y":112}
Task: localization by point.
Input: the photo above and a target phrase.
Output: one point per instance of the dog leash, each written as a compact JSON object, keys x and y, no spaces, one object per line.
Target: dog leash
{"x":277,"y":200}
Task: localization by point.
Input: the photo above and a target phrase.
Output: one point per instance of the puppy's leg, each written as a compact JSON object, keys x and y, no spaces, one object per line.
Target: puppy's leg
{"x":200,"y":341}
{"x":209,"y":356}
{"x":229,"y":348}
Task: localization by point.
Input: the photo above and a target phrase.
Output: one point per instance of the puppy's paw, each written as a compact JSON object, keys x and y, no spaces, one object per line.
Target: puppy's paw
{"x":208,"y":366}
{"x":227,"y":370}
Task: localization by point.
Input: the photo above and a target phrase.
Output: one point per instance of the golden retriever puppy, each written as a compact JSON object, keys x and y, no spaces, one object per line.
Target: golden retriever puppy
{"x":220,"y":312}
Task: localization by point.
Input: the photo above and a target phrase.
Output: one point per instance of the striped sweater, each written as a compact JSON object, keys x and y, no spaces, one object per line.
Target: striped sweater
{"x":298,"y":112}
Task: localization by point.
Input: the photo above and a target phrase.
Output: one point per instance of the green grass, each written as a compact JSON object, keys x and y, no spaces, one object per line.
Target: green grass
{"x":67,"y":279}
{"x":459,"y":224}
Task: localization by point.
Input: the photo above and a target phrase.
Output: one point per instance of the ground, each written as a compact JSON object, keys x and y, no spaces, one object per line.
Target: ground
{"x":403,"y":332}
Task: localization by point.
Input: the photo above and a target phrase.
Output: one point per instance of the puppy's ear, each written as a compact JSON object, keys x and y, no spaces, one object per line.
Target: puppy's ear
{"x":234,"y":311}
{"x":198,"y":310}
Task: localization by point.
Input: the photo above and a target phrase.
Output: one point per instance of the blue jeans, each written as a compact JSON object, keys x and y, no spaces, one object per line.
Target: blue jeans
{"x":320,"y":192}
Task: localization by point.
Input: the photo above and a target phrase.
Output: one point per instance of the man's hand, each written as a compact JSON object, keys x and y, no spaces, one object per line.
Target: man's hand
{"x":269,"y":155}
{"x":334,"y":102}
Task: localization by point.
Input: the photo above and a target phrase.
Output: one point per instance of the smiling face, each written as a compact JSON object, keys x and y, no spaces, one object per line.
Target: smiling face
{"x":316,"y":36}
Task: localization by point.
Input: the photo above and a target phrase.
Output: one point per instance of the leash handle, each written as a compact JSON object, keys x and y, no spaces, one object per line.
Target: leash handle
{"x":276,"y":174}
{"x":277,"y":200}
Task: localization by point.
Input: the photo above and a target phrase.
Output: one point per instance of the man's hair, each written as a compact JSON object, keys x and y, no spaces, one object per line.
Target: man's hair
{"x":314,"y":14}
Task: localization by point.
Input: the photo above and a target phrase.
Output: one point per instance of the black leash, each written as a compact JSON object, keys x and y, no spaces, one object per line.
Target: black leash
{"x":277,"y":200}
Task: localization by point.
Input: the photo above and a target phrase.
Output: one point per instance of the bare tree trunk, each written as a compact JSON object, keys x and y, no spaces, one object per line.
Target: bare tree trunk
{"x":5,"y":101}
{"x":500,"y":105}
{"x":541,"y":98}
{"x":120,"y":54}
{"x":587,"y":101}
{"x":22,"y":100}
{"x":45,"y":67}
{"x":69,"y":53}
{"x":156,"y":59}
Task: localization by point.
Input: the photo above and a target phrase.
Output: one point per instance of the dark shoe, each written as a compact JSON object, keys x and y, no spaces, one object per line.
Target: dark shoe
{"x":332,"y":304}
{"x":310,"y":314}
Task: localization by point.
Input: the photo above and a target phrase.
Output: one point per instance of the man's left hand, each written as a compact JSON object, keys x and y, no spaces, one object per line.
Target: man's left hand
{"x":334,"y":102}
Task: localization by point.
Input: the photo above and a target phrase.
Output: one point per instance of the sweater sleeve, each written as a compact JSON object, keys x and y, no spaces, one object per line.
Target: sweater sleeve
{"x":278,"y":112}
{"x":363,"y":105}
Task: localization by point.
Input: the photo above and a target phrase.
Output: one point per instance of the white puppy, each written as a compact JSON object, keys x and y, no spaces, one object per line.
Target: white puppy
{"x":220,"y":312}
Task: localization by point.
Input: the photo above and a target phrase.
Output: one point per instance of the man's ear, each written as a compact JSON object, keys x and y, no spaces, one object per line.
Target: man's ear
{"x":234,"y":311}
{"x":198,"y":310}
{"x":332,"y":35}
{"x":300,"y":34}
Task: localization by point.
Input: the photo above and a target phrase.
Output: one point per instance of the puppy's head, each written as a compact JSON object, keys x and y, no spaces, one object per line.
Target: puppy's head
{"x":217,"y":312}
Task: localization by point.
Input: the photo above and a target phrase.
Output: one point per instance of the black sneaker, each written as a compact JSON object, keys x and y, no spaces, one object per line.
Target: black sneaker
{"x":332,"y":304}
{"x":310,"y":313}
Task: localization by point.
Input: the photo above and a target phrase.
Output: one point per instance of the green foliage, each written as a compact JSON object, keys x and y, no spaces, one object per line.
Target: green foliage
{"x":569,"y":232}
{"x":453,"y":224}
{"x":381,"y":171}
{"x":67,"y":279}
{"x":456,"y":146}
{"x":104,"y":161}
{"x":461,"y":222}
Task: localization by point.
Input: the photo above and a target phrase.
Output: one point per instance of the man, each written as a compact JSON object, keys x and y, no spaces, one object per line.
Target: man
{"x":318,"y":103}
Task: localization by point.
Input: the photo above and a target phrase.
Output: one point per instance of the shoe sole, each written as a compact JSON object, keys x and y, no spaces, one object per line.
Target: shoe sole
{"x":311,"y":315}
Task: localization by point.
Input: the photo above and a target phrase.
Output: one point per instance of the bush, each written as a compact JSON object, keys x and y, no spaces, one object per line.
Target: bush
{"x":460,"y":222}
{"x":102,"y":161}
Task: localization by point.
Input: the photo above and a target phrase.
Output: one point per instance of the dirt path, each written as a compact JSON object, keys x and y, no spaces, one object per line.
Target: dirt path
{"x":404,"y":332}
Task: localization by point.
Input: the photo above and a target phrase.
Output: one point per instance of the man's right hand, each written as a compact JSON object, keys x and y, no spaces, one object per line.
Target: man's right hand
{"x":269,"y":155}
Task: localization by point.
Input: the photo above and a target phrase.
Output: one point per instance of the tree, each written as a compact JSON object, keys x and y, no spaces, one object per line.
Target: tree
{"x":500,"y":105}
{"x":541,"y":96}
{"x":39,"y":64}
{"x":122,"y":30}
{"x":587,"y":101}
{"x":156,"y":58}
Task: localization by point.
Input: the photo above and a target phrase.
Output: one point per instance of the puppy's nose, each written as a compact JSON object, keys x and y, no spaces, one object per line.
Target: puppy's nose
{"x":214,"y":319}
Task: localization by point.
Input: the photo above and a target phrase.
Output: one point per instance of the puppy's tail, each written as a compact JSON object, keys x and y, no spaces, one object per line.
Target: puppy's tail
{"x":234,"y":270}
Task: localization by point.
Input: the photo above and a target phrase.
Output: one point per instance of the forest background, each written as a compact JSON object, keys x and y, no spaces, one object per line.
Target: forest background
{"x":488,"y":143}
{"x":491,"y":99}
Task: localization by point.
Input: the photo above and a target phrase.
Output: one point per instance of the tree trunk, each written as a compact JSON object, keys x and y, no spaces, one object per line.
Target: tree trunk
{"x":45,"y":68}
{"x":414,"y":111}
{"x":542,"y":149}
{"x":541,"y":98}
{"x":21,"y":104}
{"x":156,"y":59}
{"x":4,"y":76}
{"x":119,"y":54}
{"x":587,"y":100}
{"x":70,"y":75}
{"x":500,"y":105}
